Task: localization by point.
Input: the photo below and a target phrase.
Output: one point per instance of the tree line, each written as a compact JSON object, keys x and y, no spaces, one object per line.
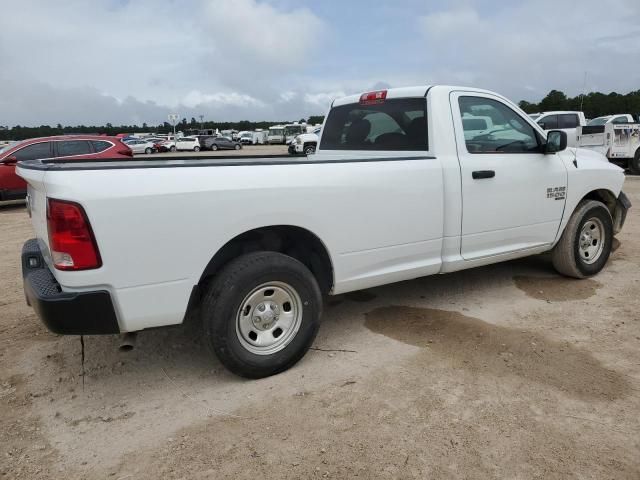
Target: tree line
{"x":594,"y":104}
{"x":19,"y":132}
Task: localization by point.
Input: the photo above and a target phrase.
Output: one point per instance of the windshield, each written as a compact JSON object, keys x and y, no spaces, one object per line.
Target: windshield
{"x":6,"y":147}
{"x":276,"y":131}
{"x":245,"y":135}
{"x":598,"y":121}
{"x":294,"y":129}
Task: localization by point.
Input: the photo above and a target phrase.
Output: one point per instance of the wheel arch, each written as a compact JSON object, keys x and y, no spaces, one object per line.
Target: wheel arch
{"x":604,"y":195}
{"x":297,"y":242}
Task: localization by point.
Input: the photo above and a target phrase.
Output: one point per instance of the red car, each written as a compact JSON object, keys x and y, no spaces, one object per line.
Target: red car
{"x":79,"y":147}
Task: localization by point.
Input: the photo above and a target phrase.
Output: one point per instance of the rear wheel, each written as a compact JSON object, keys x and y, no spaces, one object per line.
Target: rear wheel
{"x":261,"y":313}
{"x":214,"y":147}
{"x":196,"y":149}
{"x":237,"y":147}
{"x":585,"y":245}
{"x":634,"y":163}
{"x":173,"y":148}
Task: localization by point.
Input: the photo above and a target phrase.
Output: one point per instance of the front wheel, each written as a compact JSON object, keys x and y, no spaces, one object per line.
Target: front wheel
{"x":237,"y":147}
{"x":173,"y":148}
{"x":196,"y":149}
{"x":309,"y":149}
{"x":585,"y":245}
{"x":261,"y":313}
{"x":214,"y":147}
{"x":148,"y":151}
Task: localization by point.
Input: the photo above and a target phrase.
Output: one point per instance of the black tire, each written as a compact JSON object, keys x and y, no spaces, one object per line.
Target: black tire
{"x":567,"y":255}
{"x":172,"y":149}
{"x":196,"y":149}
{"x":148,"y":151}
{"x":222,"y":304}
{"x":634,"y":163}
{"x":309,"y":149}
{"x":214,"y":147}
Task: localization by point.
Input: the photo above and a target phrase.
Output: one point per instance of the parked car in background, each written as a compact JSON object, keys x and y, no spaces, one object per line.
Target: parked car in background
{"x":188,"y":143}
{"x":618,"y":119}
{"x":619,"y":142}
{"x":561,"y":120}
{"x":138,"y":145}
{"x":221,"y":143}
{"x":305,"y":143}
{"x":167,"y":145}
{"x":77,"y":147}
{"x":247,"y":138}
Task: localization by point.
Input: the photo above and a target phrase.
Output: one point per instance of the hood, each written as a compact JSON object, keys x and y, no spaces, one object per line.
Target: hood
{"x":587,"y":154}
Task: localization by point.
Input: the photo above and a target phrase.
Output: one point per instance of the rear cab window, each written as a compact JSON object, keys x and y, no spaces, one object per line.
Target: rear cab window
{"x":398,"y":124}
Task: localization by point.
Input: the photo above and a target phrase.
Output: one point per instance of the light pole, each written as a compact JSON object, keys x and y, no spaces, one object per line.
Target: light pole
{"x":201,"y":123}
{"x":173,"y":118}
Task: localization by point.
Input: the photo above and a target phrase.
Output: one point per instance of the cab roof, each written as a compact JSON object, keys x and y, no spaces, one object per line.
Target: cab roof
{"x":409,"y":92}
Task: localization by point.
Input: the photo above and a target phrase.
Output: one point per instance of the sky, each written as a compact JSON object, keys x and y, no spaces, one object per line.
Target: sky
{"x":133,"y":61}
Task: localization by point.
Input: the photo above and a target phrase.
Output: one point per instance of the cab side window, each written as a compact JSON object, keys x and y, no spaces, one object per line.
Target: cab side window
{"x":568,"y":120}
{"x":34,"y":152}
{"x":508,"y":132}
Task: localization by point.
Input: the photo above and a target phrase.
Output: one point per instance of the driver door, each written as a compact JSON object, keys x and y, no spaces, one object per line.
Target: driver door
{"x":513,"y":195}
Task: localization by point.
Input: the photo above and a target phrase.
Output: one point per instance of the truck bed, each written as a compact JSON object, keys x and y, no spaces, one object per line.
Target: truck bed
{"x":200,"y":161}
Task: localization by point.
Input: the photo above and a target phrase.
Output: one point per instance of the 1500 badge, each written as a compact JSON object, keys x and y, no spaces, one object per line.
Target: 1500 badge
{"x":557,"y":193}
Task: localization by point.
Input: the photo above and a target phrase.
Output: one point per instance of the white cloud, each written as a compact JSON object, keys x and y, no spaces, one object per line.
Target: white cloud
{"x":196,"y":98}
{"x":528,"y":48}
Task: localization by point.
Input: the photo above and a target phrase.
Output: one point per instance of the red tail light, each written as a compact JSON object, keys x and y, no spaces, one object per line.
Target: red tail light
{"x":371,"y":98}
{"x":71,"y":240}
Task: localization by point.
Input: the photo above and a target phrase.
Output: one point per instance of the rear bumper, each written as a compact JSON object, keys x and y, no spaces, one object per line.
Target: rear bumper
{"x":66,"y":313}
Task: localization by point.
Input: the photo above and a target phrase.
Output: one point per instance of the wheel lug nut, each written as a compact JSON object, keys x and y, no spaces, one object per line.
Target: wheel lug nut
{"x":261,"y":307}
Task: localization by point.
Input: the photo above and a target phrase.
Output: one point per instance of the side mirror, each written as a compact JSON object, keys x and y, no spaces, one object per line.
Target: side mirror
{"x":556,"y":141}
{"x":10,"y":160}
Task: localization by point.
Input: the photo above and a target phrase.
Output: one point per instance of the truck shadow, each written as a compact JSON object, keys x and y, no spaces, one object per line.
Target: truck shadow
{"x":182,"y":351}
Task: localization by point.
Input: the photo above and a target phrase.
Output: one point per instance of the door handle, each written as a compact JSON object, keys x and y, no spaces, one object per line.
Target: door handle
{"x":478,"y":174}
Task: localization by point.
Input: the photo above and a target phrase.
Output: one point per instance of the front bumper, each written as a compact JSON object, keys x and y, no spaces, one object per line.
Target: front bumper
{"x":66,"y":313}
{"x":620,"y":213}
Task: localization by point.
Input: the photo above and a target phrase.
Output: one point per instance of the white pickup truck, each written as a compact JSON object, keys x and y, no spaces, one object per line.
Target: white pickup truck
{"x":616,"y":136}
{"x":561,"y":120}
{"x":395,"y":191}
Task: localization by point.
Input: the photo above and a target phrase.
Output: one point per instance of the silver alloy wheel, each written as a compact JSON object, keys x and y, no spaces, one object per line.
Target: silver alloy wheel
{"x":591,"y":241}
{"x":269,"y":318}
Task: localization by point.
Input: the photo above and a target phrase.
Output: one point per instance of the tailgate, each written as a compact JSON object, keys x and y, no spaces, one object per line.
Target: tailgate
{"x":37,"y":206}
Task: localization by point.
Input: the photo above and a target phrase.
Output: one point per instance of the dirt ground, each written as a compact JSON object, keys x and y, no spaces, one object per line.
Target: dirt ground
{"x":507,"y":371}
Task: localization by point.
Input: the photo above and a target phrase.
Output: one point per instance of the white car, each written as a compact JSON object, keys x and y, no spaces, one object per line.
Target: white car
{"x":188,"y":143}
{"x":566,"y":121}
{"x":141,"y":146}
{"x":252,"y":244}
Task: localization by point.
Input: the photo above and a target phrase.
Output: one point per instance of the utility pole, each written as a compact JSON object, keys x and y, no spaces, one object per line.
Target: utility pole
{"x":201,"y":123}
{"x":584,"y":88}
